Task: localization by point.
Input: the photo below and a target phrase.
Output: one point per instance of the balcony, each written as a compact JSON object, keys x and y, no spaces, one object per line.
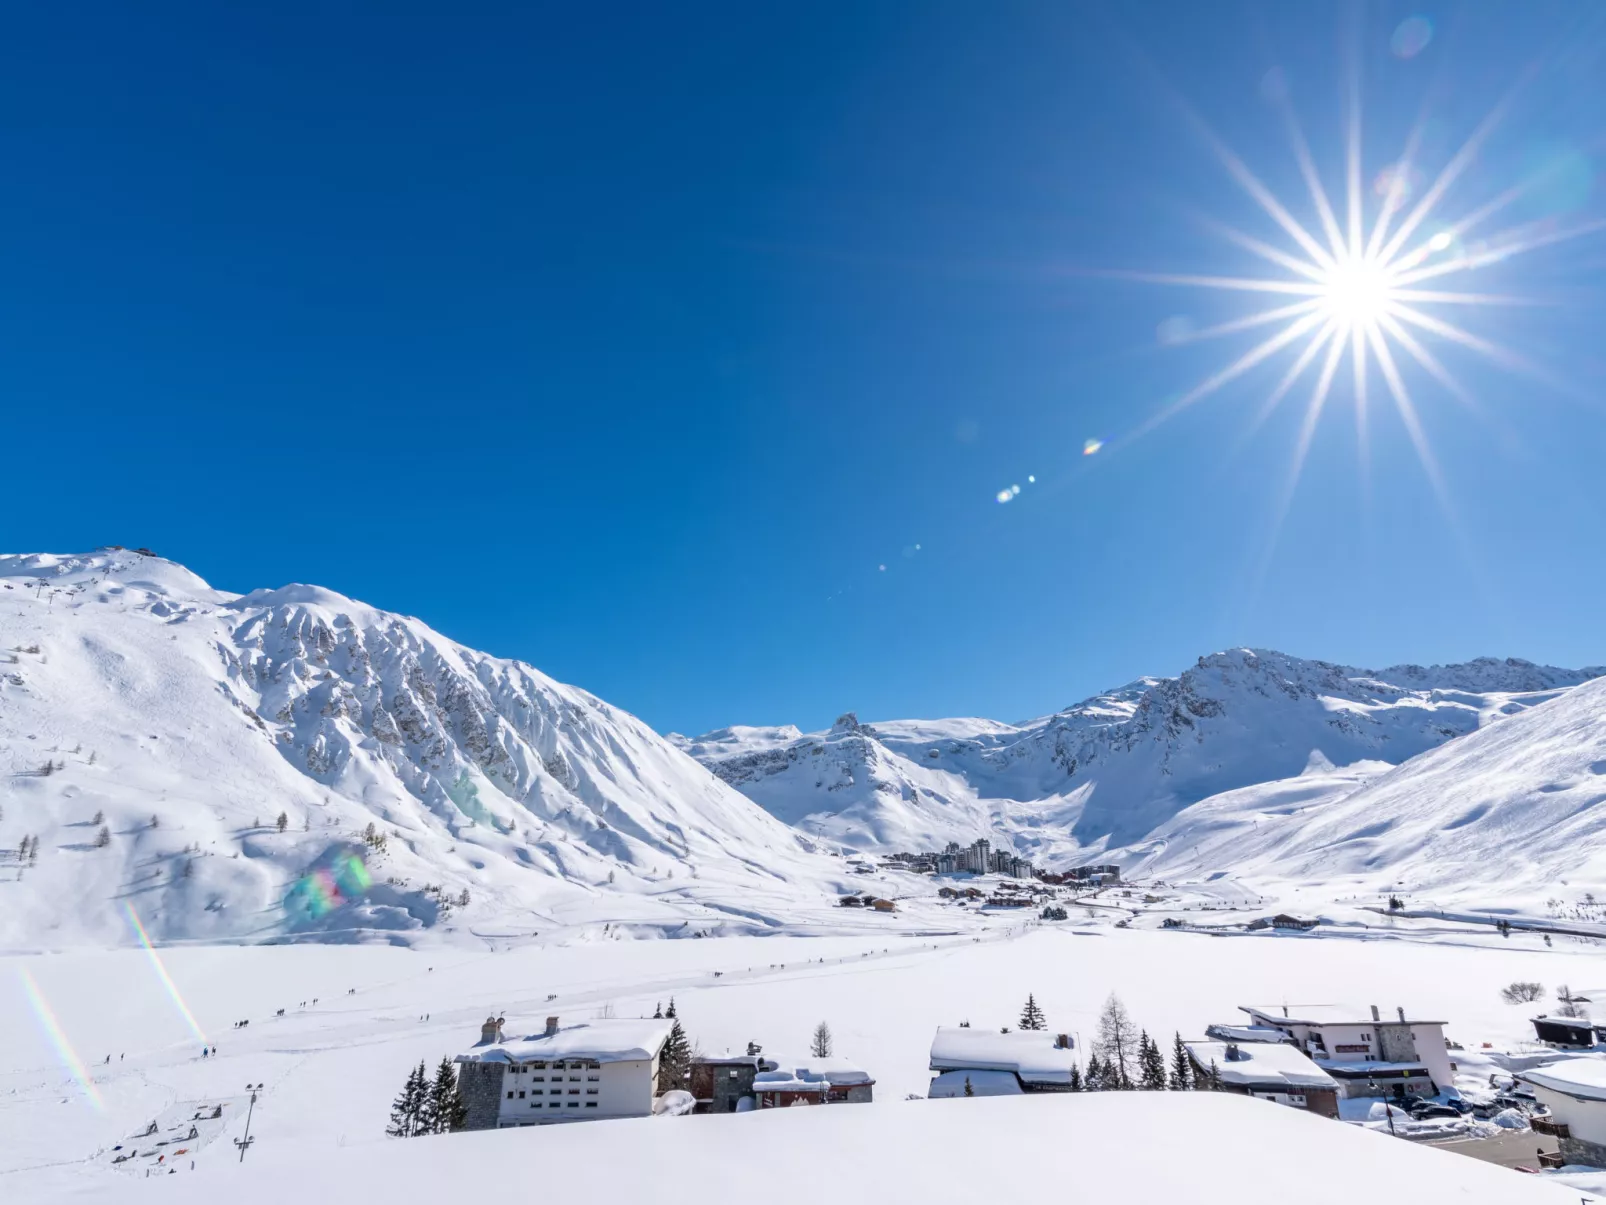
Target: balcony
{"x":1551,"y":1159}
{"x":1551,"y":1127}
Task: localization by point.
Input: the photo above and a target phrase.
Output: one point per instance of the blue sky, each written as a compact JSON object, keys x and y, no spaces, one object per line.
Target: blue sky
{"x":635,"y":342}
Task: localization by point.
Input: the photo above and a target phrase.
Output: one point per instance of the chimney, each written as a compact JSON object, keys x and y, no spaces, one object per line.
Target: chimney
{"x":1402,"y":1016}
{"x":1232,"y":1052}
{"x":1285,"y":1010}
{"x":1375,"y":1018}
{"x":551,"y":1026}
{"x":1062,"y":1041}
{"x":491,"y":1031}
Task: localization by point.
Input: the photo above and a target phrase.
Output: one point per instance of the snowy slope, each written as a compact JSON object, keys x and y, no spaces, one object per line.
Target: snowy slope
{"x":1111,"y":771}
{"x":1521,"y":803}
{"x":188,"y":720}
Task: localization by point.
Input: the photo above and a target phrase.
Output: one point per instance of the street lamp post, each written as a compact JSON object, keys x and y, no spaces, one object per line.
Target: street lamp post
{"x":245,"y":1143}
{"x":1388,"y":1109}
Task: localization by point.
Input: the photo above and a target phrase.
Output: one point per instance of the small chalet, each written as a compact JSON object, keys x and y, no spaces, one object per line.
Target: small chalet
{"x":1272,"y":1071}
{"x":1569,"y":1033}
{"x":812,"y":1081}
{"x":1294,"y":924}
{"x":999,"y":1064}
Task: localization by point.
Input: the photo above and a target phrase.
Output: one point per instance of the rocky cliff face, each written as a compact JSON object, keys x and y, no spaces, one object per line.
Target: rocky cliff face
{"x":492,"y":791}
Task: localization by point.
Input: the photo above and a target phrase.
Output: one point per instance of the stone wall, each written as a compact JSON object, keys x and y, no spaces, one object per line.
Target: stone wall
{"x":1578,"y":1150}
{"x":481,"y":1086}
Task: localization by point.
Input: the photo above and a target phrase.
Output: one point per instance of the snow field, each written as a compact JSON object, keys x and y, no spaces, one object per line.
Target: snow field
{"x":332,"y":1069}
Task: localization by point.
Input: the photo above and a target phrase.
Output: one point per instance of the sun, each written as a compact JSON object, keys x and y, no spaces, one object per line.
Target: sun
{"x":1364,"y":288}
{"x":1356,"y":293}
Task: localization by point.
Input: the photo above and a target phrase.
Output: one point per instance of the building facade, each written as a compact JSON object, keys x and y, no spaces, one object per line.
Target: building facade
{"x":1273,"y":1071}
{"x":1574,"y":1090}
{"x":1368,"y":1057}
{"x":584,"y":1072}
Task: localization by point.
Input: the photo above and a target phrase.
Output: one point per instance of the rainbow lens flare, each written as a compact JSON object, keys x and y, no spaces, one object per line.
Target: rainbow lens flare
{"x":323,"y":889}
{"x":161,"y":973}
{"x":58,"y":1039}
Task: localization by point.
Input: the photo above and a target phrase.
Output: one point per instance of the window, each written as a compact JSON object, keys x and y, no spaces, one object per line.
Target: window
{"x":510,"y":1096}
{"x":574,"y":1079}
{"x":593,"y":1078}
{"x":591,"y":1104}
{"x":555,"y":1104}
{"x":539,"y":1066}
{"x":540,"y":1079}
{"x":574,"y":1092}
{"x":591,"y":1091}
{"x":733,"y":1073}
{"x":521,"y":1096}
{"x":574,"y":1104}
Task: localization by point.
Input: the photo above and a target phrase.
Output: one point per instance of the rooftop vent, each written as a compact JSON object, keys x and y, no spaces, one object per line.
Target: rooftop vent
{"x":551,"y":1026}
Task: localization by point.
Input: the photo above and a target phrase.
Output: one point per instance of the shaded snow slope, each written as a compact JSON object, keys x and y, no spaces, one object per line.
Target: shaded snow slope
{"x":184,"y":721}
{"x":1117,"y":769}
{"x":1521,"y":803}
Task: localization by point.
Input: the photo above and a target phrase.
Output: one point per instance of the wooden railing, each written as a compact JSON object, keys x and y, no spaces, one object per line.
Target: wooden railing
{"x":1551,"y":1159}
{"x":1545,"y":1125}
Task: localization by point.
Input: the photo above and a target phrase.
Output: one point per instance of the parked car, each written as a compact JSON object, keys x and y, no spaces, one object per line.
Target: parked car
{"x":1425,"y":1111}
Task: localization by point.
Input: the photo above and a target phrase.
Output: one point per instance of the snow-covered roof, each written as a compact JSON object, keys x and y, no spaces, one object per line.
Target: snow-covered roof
{"x":1032,"y":1054}
{"x":602,"y":1041}
{"x":1577,"y":1022}
{"x":1260,"y":1063}
{"x":1090,"y":1147}
{"x":951,"y":1084}
{"x":809,"y":1075}
{"x":1327,"y":1014}
{"x":1583,"y":1077}
{"x":1246,"y":1033}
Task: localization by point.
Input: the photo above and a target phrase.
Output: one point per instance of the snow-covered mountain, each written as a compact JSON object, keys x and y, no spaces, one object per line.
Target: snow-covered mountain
{"x":153,"y":732}
{"x":1520,"y":804}
{"x":1114,"y":771}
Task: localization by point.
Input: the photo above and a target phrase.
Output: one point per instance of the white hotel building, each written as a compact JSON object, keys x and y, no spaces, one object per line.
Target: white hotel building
{"x":583,"y":1072}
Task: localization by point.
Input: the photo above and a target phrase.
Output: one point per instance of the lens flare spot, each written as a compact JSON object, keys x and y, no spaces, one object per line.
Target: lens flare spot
{"x":1441,"y":241}
{"x":1091,"y":446}
{"x":1175,"y":329}
{"x":1411,"y":37}
{"x":1031,"y":480}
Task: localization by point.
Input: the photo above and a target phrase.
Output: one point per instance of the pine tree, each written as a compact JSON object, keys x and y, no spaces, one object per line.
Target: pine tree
{"x":1094,"y":1080}
{"x":1075,"y":1081}
{"x":1118,"y":1044}
{"x":444,"y":1110}
{"x":283,"y":822}
{"x":407,"y":1111}
{"x":658,"y":1012}
{"x":1031,"y":1017}
{"x":103,"y":838}
{"x":98,"y":818}
{"x":1151,"y":1063}
{"x":1181,"y":1068}
{"x":156,"y":822}
{"x":674,"y":1062}
{"x":820,"y":1045}
{"x":969,"y":1091}
{"x":1212,"y":1080}
{"x":669,"y":1013}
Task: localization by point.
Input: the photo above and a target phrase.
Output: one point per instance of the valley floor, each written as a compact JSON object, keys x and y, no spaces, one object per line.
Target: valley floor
{"x":331,"y":1067}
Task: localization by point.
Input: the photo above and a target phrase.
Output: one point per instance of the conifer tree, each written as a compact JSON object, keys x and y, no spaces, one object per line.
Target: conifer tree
{"x":1151,"y":1064}
{"x":1181,"y":1068}
{"x":283,"y":822}
{"x":1094,"y":1080}
{"x":658,"y":1012}
{"x":1118,"y":1044}
{"x":1031,"y":1017}
{"x":1075,"y":1081}
{"x":1212,"y":1080}
{"x":407,"y":1111}
{"x":444,"y":1110}
{"x":669,"y":1013}
{"x":674,"y":1062}
{"x":103,"y":838}
{"x":969,"y":1091}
